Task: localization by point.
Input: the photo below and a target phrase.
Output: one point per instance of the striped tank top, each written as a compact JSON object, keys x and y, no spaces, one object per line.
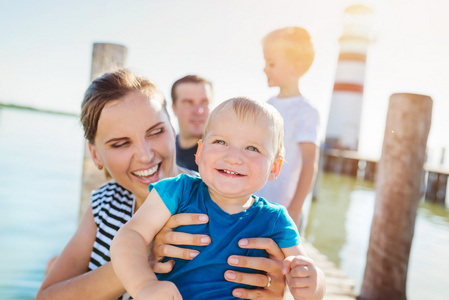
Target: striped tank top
{"x":112,"y":207}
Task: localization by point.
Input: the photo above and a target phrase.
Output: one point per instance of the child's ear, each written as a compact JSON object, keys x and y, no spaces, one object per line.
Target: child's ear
{"x":277,"y":165}
{"x":198,"y":151}
{"x":298,"y":67}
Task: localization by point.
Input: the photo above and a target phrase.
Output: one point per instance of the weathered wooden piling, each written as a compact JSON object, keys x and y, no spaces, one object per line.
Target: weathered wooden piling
{"x":105,"y":58}
{"x":370,"y":171}
{"x":437,"y":185}
{"x":399,"y":178}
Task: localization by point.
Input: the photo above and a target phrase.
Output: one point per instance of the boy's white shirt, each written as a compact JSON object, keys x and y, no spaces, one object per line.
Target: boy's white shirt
{"x":295,"y":110}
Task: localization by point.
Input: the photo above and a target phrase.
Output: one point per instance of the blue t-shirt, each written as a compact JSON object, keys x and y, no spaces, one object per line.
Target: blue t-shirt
{"x":203,"y":277}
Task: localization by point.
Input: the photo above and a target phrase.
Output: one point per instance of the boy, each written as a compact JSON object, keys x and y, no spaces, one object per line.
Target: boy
{"x":288,"y":54}
{"x":241,"y":148}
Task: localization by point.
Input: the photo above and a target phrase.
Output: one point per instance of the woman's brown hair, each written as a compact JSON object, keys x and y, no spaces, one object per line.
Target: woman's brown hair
{"x":109,"y":87}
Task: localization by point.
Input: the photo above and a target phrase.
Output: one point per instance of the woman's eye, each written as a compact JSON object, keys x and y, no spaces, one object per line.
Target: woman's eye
{"x":119,"y":145}
{"x":156,"y":131}
{"x":252,"y":148}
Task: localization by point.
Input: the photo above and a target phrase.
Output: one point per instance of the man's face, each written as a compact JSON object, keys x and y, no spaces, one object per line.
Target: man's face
{"x":191,"y":107}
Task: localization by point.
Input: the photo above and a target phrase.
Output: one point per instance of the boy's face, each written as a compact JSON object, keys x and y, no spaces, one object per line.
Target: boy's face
{"x":279,"y":70}
{"x":236,"y":157}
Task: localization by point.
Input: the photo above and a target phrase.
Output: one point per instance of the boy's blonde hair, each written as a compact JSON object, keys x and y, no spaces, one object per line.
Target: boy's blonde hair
{"x":294,"y":43}
{"x":245,"y":109}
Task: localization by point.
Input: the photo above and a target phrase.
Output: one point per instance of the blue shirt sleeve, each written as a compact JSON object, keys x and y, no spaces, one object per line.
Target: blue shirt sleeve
{"x":285,"y":233}
{"x":170,"y":190}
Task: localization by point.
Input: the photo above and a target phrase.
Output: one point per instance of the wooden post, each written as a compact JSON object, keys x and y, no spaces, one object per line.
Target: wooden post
{"x":370,"y":170}
{"x":442,"y":187}
{"x":105,"y":58}
{"x":398,"y":185}
{"x":350,"y":166}
{"x":432,"y":186}
{"x":443,"y":154}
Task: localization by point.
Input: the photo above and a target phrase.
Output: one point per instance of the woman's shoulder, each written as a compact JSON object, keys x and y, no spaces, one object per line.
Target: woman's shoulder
{"x":110,"y":188}
{"x":109,"y":192}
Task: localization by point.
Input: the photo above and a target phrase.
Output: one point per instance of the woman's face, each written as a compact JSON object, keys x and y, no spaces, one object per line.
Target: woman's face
{"x":135,"y":142}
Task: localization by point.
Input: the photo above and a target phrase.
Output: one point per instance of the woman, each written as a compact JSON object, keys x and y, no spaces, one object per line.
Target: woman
{"x":129,"y":133}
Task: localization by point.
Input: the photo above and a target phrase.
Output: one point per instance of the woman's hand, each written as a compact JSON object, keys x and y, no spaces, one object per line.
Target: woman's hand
{"x":273,"y":282}
{"x":166,"y":238}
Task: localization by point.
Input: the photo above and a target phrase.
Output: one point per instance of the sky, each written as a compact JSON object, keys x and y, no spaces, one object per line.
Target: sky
{"x":46,"y":51}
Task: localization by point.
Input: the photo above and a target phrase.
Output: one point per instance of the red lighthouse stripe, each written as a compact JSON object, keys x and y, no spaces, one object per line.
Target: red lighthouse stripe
{"x":348,"y":87}
{"x":352,"y":56}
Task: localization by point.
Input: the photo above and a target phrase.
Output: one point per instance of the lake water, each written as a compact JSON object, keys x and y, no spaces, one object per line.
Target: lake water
{"x":40,"y":182}
{"x":339,"y":226}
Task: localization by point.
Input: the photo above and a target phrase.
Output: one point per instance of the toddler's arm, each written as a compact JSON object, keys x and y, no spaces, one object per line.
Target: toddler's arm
{"x":305,"y":280}
{"x":129,"y":255}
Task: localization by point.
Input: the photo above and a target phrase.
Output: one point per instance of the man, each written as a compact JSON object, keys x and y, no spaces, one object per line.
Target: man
{"x":191,"y":97}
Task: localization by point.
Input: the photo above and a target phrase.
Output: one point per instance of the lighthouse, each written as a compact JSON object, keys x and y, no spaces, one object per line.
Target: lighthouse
{"x":343,"y":125}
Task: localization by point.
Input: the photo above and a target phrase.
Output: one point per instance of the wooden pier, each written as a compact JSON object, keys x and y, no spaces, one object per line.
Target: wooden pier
{"x":436,"y":190}
{"x":351,"y":163}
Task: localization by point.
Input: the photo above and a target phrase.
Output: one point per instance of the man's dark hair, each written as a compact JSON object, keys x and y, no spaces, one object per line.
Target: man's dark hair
{"x":188,"y":79}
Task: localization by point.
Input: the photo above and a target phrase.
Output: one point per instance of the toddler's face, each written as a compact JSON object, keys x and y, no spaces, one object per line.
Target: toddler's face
{"x":236,"y":157}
